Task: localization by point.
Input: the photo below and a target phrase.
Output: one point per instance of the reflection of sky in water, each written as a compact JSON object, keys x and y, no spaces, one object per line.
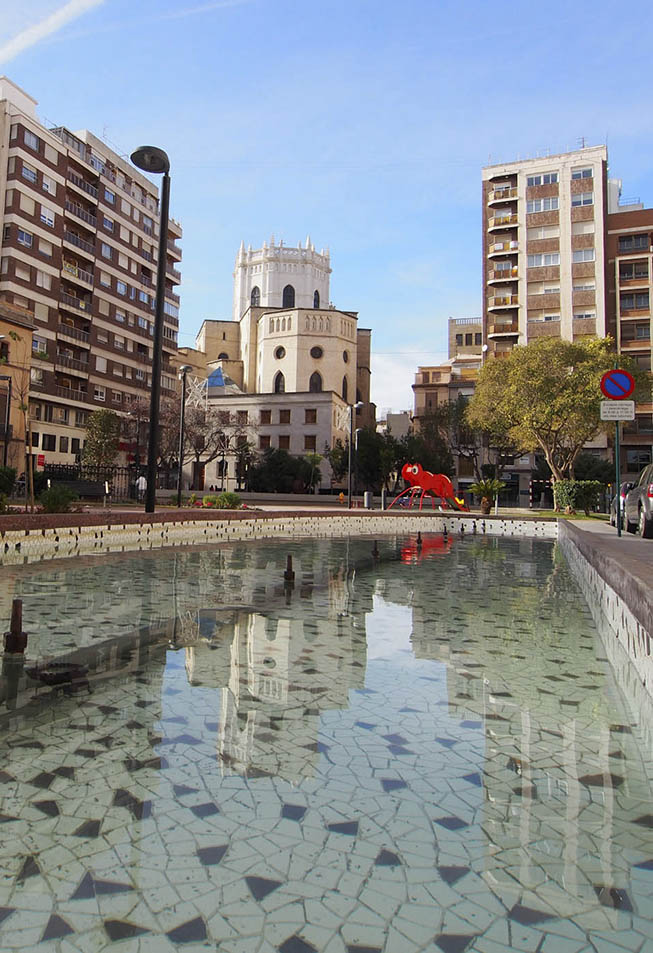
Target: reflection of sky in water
{"x":428,"y":753}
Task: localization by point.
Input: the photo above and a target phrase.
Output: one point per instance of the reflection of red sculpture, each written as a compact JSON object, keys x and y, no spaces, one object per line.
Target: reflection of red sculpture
{"x":424,"y":483}
{"x":416,"y":550}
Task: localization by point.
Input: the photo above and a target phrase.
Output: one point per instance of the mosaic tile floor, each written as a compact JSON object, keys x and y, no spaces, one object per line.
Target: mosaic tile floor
{"x":417,"y":749}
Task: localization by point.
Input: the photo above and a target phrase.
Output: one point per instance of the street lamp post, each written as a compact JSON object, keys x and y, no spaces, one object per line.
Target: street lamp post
{"x":352,"y":409}
{"x":182,"y":377}
{"x":153,"y":160}
{"x":6,"y":377}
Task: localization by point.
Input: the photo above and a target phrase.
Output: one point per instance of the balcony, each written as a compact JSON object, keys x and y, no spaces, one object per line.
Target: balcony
{"x":503,"y":248}
{"x":500,"y":330}
{"x":81,"y":213}
{"x":502,"y":195}
{"x":174,"y":249}
{"x":82,"y":183}
{"x":70,"y":331}
{"x":79,"y":242}
{"x":502,"y":221}
{"x":72,"y":302}
{"x":65,"y":363}
{"x":71,"y":393}
{"x":173,"y":273}
{"x":503,"y":301}
{"x":636,"y":344}
{"x":70,"y":269}
{"x":503,"y":274}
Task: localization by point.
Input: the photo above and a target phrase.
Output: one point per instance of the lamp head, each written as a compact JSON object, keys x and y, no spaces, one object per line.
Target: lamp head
{"x":150,"y":159}
{"x":359,"y":405}
{"x":183,"y":370}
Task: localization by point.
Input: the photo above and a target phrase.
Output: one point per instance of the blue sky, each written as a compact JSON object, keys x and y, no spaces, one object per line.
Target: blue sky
{"x":364,"y":124}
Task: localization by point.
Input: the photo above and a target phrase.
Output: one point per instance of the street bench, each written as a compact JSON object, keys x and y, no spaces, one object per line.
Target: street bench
{"x":85,"y":489}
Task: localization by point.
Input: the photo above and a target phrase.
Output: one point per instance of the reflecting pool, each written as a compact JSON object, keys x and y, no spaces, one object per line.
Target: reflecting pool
{"x":409,"y":747}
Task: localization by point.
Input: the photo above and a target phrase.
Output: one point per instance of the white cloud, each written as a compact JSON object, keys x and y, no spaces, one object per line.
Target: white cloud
{"x":45,"y":28}
{"x":393,"y":376}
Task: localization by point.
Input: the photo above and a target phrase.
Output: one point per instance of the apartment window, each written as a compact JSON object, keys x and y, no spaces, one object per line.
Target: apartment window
{"x":582,"y":174}
{"x":583,"y":254}
{"x":147,"y":224}
{"x":635,"y":302}
{"x":29,"y":172}
{"x":468,"y":340}
{"x":36,"y":376}
{"x":105,"y":250}
{"x":633,"y":242}
{"x":107,"y":223}
{"x":116,"y":397}
{"x":310,"y":415}
{"x":144,"y":297}
{"x":47,"y":216}
{"x":4,"y":352}
{"x":310,"y":441}
{"x":13,"y":131}
{"x":264,"y":441}
{"x":63,"y":444}
{"x":81,"y":417}
{"x":35,"y":438}
{"x":585,"y":286}
{"x":51,"y":154}
{"x":637,"y":459}
{"x":100,"y":392}
{"x":139,"y":374}
{"x":478,"y":339}
{"x":48,"y":185}
{"x":584,"y":315}
{"x":25,"y":238}
{"x":119,"y":342}
{"x":241,"y":417}
{"x":101,"y":364}
{"x":167,"y":382}
{"x":102,"y":336}
{"x":633,"y":269}
{"x":284,"y":441}
{"x":48,"y":441}
{"x":121,"y":287}
{"x":542,"y":205}
{"x":284,"y":416}
{"x":43,"y":279}
{"x":582,"y":198}
{"x":142,"y":323}
{"x":541,"y":231}
{"x":104,"y":306}
{"x":117,"y":370}
{"x":110,"y":196}
{"x":125,"y":208}
{"x":105,"y":279}
{"x":74,"y":445}
{"x":39,"y":345}
{"x":547,"y":178}
{"x":266,"y":416}
{"x":22,"y":271}
{"x":45,"y":248}
{"x":539,"y":261}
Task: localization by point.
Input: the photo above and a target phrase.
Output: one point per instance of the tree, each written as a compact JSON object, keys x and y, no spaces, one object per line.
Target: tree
{"x":102,"y":438}
{"x":545,"y":396}
{"x":338,"y":460}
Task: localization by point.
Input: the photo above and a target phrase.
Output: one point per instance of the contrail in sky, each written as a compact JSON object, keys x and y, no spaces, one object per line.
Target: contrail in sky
{"x":45,"y":28}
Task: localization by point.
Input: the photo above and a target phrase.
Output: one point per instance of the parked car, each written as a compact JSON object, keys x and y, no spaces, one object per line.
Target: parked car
{"x":621,"y":496}
{"x":638,"y":508}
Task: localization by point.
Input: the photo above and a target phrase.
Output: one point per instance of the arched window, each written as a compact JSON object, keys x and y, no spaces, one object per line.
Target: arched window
{"x":279,"y":384}
{"x":316,"y":299}
{"x":328,"y":324}
{"x":289,"y":323}
{"x":283,"y":324}
{"x":288,"y":300}
{"x":315,"y":383}
{"x":255,"y":297}
{"x":271,"y":325}
{"x":223,"y":356}
{"x":344,"y":388}
{"x":308,"y":324}
{"x":321,"y":324}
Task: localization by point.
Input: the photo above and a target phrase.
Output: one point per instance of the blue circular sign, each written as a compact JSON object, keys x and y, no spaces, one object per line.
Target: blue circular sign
{"x":617,"y":384}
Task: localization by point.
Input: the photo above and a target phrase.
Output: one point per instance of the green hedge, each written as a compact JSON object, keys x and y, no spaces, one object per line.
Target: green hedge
{"x":572,"y":495}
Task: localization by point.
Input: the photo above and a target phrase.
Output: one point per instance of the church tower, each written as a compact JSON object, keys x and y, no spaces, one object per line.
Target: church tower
{"x":277,"y":276}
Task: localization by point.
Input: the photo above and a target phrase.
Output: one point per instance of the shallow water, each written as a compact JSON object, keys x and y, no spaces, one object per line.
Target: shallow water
{"x":422,"y":749}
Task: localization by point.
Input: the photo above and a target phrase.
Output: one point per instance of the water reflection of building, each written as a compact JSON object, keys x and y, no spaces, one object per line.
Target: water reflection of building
{"x":521,"y":668}
{"x":278,"y":671}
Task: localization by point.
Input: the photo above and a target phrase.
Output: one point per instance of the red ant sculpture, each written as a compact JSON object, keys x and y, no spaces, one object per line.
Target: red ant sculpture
{"x":423,"y":483}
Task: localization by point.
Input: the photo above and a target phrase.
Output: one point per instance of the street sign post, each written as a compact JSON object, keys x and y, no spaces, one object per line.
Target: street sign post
{"x":617,"y":385}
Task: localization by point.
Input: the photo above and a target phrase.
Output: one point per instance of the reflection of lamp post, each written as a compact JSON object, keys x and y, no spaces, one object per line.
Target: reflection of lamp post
{"x":151,"y":159}
{"x":182,"y":377}
{"x":352,"y":408}
{"x":6,"y":377}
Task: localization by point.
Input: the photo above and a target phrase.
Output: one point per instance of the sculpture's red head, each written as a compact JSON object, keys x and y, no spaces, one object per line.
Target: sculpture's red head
{"x":412,"y":473}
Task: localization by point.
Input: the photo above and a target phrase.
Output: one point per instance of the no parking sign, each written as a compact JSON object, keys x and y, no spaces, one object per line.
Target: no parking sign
{"x":617,"y":384}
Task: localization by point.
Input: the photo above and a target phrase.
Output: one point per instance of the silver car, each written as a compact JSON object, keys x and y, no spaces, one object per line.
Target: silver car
{"x":638,"y":508}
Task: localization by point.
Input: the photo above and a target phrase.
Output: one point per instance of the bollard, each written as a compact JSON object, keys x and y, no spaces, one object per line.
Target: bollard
{"x":15,"y":638}
{"x":289,"y":575}
{"x":375,"y":552}
{"x":444,"y":531}
{"x":419,"y":540}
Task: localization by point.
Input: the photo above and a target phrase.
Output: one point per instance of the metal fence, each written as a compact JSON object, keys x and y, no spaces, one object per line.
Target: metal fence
{"x":122,"y":480}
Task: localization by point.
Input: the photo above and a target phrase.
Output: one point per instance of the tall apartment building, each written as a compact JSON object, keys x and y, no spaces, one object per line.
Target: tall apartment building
{"x":78,"y":251}
{"x":629,"y":252}
{"x":543,"y":249}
